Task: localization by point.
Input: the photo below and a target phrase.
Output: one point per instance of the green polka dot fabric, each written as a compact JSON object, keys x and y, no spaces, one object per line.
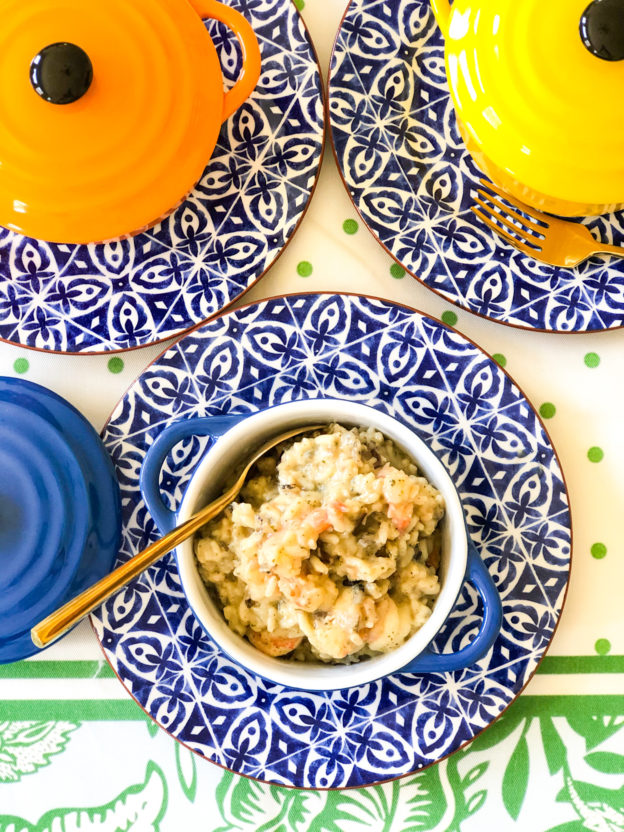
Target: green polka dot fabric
{"x":595,"y":454}
{"x":599,"y":551}
{"x":116,"y":365}
{"x":449,"y":317}
{"x":21,"y":366}
{"x":547,"y":410}
{"x":554,"y":763}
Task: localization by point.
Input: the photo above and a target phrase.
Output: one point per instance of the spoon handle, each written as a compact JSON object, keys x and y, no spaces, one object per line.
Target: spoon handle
{"x":63,"y":619}
{"x":60,"y":621}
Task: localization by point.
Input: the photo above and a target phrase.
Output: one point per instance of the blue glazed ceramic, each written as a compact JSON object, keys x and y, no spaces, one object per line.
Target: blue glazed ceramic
{"x":60,"y":513}
{"x":238,"y":435}
{"x":410,"y":177}
{"x":215,"y":246}
{"x":489,"y":438}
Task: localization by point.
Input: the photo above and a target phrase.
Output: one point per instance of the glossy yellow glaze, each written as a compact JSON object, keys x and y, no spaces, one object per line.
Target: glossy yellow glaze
{"x":541,"y":115}
{"x":127,"y":153}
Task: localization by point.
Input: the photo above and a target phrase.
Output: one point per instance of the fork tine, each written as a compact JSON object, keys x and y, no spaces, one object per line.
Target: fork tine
{"x":507,"y":210}
{"x":522,"y":232}
{"x":511,"y":240}
{"x":531,"y":212}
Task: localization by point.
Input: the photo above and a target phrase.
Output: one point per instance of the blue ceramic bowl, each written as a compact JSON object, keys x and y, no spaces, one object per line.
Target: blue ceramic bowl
{"x":237,"y":437}
{"x":60,"y":510}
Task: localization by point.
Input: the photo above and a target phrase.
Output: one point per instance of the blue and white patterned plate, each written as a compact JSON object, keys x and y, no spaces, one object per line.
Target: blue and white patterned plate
{"x":410,"y":177}
{"x":215,"y":246}
{"x":469,"y":411}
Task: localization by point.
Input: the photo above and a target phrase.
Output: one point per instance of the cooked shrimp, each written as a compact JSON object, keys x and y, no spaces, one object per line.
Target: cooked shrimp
{"x":401,"y":514}
{"x":273,"y":644}
{"x":392,"y":626}
{"x":337,"y":512}
{"x":310,"y":592}
{"x":329,"y":638}
{"x":318,"y":521}
{"x":336,"y":635}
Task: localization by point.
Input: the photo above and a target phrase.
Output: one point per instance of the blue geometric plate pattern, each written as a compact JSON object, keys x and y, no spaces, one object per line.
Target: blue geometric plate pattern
{"x":507,"y":473}
{"x":410,"y":177}
{"x":241,"y":215}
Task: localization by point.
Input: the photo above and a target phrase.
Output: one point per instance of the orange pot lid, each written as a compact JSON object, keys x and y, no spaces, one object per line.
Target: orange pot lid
{"x":116,"y":139}
{"x":538,"y":86}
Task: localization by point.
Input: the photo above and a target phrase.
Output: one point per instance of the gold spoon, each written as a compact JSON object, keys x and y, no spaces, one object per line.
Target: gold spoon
{"x":63,"y":619}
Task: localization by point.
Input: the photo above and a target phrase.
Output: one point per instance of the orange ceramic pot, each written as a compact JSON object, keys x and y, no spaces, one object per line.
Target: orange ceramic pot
{"x":537,"y":88}
{"x":109,"y":111}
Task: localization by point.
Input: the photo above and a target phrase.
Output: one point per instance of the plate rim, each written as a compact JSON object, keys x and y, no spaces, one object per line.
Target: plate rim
{"x":462,"y":746}
{"x":445,"y":298}
{"x":324,"y":97}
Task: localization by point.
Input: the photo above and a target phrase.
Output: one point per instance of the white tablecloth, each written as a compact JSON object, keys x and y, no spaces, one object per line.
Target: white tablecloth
{"x":72,"y":740}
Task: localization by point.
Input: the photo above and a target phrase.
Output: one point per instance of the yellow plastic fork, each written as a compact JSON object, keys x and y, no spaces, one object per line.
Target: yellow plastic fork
{"x":541,"y":236}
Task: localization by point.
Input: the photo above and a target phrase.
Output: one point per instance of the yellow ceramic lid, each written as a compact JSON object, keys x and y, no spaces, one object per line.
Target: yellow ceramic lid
{"x":538,"y":87}
{"x":109,"y":112}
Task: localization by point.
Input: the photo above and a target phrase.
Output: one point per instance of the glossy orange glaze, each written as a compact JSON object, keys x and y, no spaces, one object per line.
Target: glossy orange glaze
{"x":126,"y":154}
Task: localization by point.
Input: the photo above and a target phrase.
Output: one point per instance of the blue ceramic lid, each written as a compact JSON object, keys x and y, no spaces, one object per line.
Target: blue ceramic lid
{"x":60,"y":513}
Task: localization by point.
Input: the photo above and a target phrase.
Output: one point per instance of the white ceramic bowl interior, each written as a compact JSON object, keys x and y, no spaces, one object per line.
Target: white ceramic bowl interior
{"x":236,"y":446}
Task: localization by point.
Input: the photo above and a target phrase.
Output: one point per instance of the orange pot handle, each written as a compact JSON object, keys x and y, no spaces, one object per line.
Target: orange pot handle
{"x":245,"y":35}
{"x":442,"y":12}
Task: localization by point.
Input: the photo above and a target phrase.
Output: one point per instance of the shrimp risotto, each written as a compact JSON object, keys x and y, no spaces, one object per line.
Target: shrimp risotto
{"x":332,"y":550}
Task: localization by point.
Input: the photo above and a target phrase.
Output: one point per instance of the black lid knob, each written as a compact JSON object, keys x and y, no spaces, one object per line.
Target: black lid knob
{"x":602,"y":29}
{"x":61,"y":73}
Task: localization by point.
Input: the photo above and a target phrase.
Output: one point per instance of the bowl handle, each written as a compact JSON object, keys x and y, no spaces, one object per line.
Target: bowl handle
{"x":442,"y":12}
{"x":248,"y":41}
{"x":149,"y":479}
{"x":478,"y":575}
